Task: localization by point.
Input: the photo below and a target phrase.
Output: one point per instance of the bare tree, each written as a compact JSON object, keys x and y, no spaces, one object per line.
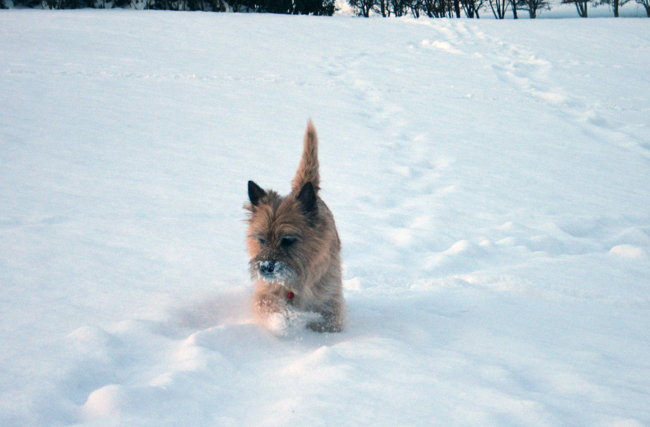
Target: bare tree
{"x":646,"y":4}
{"x":416,"y":7}
{"x":514,"y":8}
{"x":471,"y":7}
{"x":382,"y":7}
{"x":499,"y":8}
{"x":362,"y":7}
{"x":69,"y":4}
{"x":437,"y":8}
{"x":532,"y":6}
{"x":581,"y":6}
{"x":615,"y":4}
{"x":399,"y":7}
{"x":456,"y":8}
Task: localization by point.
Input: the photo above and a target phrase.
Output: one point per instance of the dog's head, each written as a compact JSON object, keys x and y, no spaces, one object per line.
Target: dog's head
{"x":282,"y":240}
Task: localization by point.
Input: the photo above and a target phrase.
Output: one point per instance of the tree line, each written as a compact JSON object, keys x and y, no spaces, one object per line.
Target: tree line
{"x":292,"y":7}
{"x":473,"y":8}
{"x":385,"y":8}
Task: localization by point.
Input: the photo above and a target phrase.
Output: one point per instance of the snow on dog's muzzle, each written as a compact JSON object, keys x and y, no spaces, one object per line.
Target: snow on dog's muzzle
{"x":272,"y":271}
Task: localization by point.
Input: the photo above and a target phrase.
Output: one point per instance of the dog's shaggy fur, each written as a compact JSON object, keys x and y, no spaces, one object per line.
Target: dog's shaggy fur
{"x":295,"y":248}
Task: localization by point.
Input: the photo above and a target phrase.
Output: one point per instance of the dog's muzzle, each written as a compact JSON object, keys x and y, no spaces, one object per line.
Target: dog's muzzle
{"x":273,"y":271}
{"x":269,"y":268}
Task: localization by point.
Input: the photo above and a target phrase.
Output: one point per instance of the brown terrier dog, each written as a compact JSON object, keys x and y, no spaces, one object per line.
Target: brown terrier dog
{"x":295,"y":249}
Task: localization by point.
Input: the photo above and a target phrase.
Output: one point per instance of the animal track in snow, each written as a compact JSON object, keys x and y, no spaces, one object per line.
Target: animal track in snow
{"x":524,"y":70}
{"x":445,"y":46}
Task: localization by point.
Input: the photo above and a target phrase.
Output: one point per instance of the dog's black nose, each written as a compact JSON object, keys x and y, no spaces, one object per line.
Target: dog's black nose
{"x":267,"y":267}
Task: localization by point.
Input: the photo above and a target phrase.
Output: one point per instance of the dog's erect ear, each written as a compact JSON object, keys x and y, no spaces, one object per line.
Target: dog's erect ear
{"x":307,"y":198}
{"x":255,"y":193}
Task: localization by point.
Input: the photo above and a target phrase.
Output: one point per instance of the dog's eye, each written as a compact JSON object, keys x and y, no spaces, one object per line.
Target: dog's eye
{"x":262,"y":241}
{"x":288,"y":241}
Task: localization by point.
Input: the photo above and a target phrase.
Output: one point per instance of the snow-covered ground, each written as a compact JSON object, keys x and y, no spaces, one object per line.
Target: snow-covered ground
{"x":490,"y":182}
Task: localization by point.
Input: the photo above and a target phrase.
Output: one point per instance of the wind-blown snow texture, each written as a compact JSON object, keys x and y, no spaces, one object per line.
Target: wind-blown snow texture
{"x":490,"y":182}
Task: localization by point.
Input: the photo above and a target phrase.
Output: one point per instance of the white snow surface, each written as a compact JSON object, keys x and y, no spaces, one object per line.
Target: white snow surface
{"x":490,"y":182}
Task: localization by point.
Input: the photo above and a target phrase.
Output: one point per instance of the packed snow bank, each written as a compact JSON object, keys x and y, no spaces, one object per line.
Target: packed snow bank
{"x":489,"y":182}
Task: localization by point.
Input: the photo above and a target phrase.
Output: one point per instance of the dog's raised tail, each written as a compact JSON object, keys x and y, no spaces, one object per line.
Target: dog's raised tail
{"x":308,"y":168}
